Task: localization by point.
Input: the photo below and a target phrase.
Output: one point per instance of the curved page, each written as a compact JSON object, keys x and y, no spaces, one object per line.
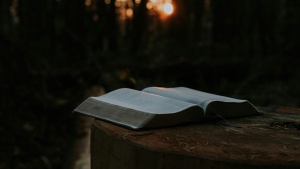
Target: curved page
{"x":143,"y":101}
{"x":190,"y":95}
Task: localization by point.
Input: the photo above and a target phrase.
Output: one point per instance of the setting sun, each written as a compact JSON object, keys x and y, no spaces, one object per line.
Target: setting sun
{"x":168,"y":8}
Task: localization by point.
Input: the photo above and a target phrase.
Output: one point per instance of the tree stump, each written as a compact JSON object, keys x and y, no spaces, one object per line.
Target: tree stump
{"x":271,"y":140}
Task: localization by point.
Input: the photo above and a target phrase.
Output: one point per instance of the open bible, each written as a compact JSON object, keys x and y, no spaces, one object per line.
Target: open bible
{"x":159,"y":107}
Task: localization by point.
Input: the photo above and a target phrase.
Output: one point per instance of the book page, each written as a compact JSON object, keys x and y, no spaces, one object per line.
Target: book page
{"x":190,"y":95}
{"x":143,"y":101}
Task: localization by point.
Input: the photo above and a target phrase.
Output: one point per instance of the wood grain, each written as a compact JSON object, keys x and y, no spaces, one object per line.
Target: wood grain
{"x":271,"y":140}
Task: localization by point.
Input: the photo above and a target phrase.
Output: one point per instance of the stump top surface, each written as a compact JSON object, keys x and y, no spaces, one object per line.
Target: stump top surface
{"x":273,"y":137}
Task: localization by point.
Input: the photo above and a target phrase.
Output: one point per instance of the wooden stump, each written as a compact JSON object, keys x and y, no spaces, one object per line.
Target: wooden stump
{"x":271,"y":140}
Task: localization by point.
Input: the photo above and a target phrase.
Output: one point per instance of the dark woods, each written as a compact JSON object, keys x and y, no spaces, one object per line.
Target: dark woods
{"x":219,"y":46}
{"x":54,"y":51}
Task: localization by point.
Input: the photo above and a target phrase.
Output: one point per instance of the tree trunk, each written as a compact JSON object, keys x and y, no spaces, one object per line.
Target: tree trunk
{"x":139,"y":26}
{"x":74,"y":12}
{"x":112,"y":27}
{"x":99,"y":25}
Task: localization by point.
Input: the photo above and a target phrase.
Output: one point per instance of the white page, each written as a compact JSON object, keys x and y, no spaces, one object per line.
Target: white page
{"x":208,"y":96}
{"x":190,"y":95}
{"x":143,"y":101}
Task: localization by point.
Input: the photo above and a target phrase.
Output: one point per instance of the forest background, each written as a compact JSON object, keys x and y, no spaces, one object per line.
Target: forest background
{"x":55,"y":53}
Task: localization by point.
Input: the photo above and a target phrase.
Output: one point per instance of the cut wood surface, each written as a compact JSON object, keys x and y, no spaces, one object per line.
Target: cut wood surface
{"x":271,"y":140}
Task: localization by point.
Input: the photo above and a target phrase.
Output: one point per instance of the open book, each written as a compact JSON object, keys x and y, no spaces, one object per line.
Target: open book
{"x":158,"y":107}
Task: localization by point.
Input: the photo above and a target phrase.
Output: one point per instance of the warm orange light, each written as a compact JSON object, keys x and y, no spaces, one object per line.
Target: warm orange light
{"x":149,"y":5}
{"x":88,"y":2}
{"x":107,"y":2}
{"x":168,"y":8}
{"x":160,"y":7}
{"x":117,"y":3}
{"x":137,"y":1}
{"x":129,"y":12}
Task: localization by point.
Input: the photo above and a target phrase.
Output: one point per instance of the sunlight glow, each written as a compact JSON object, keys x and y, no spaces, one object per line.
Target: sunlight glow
{"x":150,"y":5}
{"x":137,"y":1}
{"x":107,"y":2}
{"x":88,"y":2}
{"x":118,"y":4}
{"x":129,"y":12}
{"x":125,"y":8}
{"x":163,"y":8}
{"x":160,"y":7}
{"x":168,"y":8}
